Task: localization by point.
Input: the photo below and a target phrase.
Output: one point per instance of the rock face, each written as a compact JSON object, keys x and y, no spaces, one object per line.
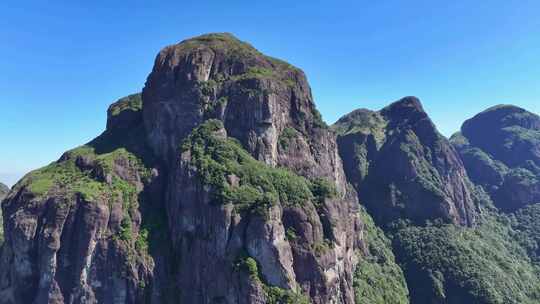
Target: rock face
{"x":74,"y":231}
{"x":404,"y":170}
{"x":266,"y":105}
{"x":501,"y":151}
{"x":402,"y":167}
{"x":263,"y":102}
{"x":219,"y":184}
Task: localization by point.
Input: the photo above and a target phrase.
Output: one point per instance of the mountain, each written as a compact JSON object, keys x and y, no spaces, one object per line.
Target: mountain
{"x":501,"y":150}
{"x":219,"y":183}
{"x":403,"y":168}
{"x":449,"y":241}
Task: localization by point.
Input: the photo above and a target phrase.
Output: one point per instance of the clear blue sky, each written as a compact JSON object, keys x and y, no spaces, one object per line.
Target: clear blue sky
{"x":63,"y":62}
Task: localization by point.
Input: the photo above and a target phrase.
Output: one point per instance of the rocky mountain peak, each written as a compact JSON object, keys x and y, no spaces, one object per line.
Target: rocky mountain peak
{"x":397,"y":160}
{"x":405,"y":108}
{"x":514,"y":134}
{"x":502,"y":116}
{"x":220,"y":180}
{"x":264,"y":105}
{"x":264,"y":102}
{"x":501,"y":151}
{"x":218,"y":55}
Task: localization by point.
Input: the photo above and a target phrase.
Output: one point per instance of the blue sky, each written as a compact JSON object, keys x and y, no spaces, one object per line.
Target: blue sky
{"x":63,"y":62}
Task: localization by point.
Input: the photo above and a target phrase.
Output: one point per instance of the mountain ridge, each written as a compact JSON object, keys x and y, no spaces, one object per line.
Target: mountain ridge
{"x":390,"y":146}
{"x":220,"y":183}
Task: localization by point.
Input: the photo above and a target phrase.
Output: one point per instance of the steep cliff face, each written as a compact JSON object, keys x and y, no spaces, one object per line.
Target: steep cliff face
{"x":266,"y":105}
{"x":73,"y":228}
{"x":241,"y":210}
{"x":263,"y":102}
{"x":219,"y":184}
{"x":402,"y":167}
{"x":501,"y":151}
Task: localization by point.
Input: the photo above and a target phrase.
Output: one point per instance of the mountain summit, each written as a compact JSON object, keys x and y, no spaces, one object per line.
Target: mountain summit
{"x":219,"y":184}
{"x":402,"y":167}
{"x":501,"y":150}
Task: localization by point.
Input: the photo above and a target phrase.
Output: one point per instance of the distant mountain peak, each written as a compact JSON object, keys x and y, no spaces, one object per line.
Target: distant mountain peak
{"x":402,"y":167}
{"x":500,"y":147}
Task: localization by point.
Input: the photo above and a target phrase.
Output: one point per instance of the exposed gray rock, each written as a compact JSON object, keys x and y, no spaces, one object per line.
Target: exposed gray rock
{"x":74,"y":230}
{"x":267,"y":105}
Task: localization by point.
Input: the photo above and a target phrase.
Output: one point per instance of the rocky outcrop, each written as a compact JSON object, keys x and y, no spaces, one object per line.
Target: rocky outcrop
{"x":263,"y":102}
{"x":403,"y":168}
{"x":292,"y":229}
{"x":500,"y":148}
{"x":219,"y":184}
{"x":74,"y":232}
{"x":266,"y":105}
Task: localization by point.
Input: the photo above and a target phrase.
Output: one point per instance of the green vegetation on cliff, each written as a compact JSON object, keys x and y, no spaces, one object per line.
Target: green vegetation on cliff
{"x":492,"y":261}
{"x":362,"y":121}
{"x":378,"y":279}
{"x":95,"y":182}
{"x":132,"y":102}
{"x":236,"y":177}
{"x":110,"y":169}
{"x":273,"y":294}
{"x":526,"y":223}
{"x":260,"y":66}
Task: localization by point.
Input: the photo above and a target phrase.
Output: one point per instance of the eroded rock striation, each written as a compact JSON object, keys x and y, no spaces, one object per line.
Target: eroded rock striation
{"x":403,"y":168}
{"x":218,"y":184}
{"x":501,"y":151}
